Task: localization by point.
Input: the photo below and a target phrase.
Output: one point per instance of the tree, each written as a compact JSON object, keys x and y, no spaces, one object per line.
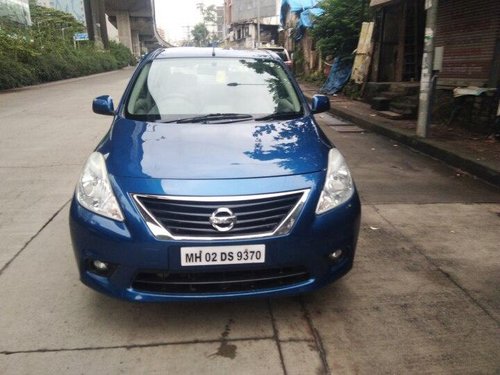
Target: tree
{"x":200,"y":35}
{"x":337,"y":30}
{"x":52,"y":24}
{"x":45,"y":51}
{"x":209,"y":14}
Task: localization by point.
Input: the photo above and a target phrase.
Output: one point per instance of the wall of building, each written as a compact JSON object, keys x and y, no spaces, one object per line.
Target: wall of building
{"x":475,"y":113}
{"x":245,"y":35}
{"x":469,"y":31}
{"x":16,"y":11}
{"x":220,"y":23}
{"x":244,"y":10}
{"x":398,"y":42}
{"x":75,"y":7}
{"x":306,"y":57}
{"x":112,"y":31}
{"x":241,"y":26}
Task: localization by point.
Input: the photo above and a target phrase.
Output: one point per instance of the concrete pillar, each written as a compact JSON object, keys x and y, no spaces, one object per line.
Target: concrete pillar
{"x":89,"y":19}
{"x":136,"y":44}
{"x":124,"y":31}
{"x":103,"y":27}
{"x":94,"y":15}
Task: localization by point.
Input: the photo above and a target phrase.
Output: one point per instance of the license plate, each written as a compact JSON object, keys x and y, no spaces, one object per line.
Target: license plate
{"x":219,"y":255}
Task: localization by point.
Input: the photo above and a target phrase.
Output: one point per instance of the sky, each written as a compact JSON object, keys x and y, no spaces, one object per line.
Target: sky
{"x":173,"y":16}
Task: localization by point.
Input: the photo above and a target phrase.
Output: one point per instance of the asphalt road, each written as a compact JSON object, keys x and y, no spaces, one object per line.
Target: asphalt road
{"x":423,"y":296}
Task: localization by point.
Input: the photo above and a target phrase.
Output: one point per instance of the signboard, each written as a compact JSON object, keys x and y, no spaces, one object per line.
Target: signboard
{"x":78,"y":37}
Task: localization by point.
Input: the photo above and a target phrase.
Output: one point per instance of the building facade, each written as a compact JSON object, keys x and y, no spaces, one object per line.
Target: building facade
{"x":17,"y":11}
{"x":74,"y":7}
{"x":467,"y":54}
{"x":467,"y":31}
{"x":241,"y":22}
{"x":220,"y":23}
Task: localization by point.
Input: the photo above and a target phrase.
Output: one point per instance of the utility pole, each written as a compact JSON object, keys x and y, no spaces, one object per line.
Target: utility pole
{"x":224,"y":23}
{"x":426,"y":86}
{"x":258,"y":23}
{"x":188,"y":33}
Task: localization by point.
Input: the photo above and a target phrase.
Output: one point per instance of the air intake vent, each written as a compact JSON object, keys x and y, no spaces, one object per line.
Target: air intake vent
{"x":215,"y":282}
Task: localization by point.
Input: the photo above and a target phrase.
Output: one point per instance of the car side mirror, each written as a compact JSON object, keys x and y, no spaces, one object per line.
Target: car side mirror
{"x":320,"y":103}
{"x":103,"y":105}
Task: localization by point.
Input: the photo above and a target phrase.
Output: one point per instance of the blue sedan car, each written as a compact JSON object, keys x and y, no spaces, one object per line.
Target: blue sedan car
{"x":213,"y":182}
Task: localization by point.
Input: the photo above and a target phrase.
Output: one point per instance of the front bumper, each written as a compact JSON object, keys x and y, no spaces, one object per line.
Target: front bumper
{"x":130,"y":249}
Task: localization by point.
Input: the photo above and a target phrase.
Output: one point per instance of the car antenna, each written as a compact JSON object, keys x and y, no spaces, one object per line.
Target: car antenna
{"x":213,"y":49}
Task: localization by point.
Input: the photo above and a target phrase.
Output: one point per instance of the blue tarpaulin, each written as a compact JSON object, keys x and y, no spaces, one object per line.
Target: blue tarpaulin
{"x":298,"y":5}
{"x":339,"y":75}
{"x":307,"y":16}
{"x":307,"y":10}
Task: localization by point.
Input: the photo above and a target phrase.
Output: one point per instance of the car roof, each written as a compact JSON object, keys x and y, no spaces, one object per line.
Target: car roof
{"x":176,"y":52}
{"x":273,"y":48}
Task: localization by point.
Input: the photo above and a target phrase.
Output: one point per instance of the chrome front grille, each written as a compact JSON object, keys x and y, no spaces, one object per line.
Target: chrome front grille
{"x":179,"y":217}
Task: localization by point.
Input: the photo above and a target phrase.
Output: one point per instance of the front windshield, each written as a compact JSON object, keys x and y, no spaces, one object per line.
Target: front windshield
{"x":170,"y":89}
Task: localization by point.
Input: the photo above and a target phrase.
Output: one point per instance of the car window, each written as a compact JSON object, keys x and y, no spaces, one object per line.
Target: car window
{"x":172,"y":88}
{"x":283,"y":55}
{"x":281,"y":52}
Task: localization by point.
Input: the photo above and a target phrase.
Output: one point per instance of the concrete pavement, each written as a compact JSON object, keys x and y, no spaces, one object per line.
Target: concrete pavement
{"x":468,"y":153}
{"x":422,"y":298}
{"x":47,"y":133}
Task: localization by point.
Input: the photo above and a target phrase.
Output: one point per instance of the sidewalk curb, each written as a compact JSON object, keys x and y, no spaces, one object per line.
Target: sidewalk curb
{"x":425,"y":146}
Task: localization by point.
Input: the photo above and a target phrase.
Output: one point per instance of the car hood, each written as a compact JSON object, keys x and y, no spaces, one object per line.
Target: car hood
{"x":214,"y":151}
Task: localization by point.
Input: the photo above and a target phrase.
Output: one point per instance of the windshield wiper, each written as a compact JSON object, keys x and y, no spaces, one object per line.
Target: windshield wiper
{"x":210,"y":117}
{"x":279,"y":116}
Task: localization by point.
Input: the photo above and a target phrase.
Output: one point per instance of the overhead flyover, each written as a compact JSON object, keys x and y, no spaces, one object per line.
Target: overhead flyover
{"x":134,"y":20}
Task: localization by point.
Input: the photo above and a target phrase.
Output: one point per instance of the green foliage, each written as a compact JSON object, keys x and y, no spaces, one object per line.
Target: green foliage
{"x":337,"y":30}
{"x":352,"y":90}
{"x":45,"y":52}
{"x":122,"y":54}
{"x":51,"y":25}
{"x":200,"y":35}
{"x":317,"y":78}
{"x":299,"y":61}
{"x":209,"y":14}
{"x":14,"y":74}
{"x":15,"y":43}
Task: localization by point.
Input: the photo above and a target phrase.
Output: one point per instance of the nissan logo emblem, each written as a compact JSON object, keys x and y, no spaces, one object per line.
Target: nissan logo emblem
{"x":223,"y":219}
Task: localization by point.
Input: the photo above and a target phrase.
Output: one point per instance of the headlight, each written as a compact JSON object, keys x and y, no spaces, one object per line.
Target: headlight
{"x":94,"y":190}
{"x":338,"y":184}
